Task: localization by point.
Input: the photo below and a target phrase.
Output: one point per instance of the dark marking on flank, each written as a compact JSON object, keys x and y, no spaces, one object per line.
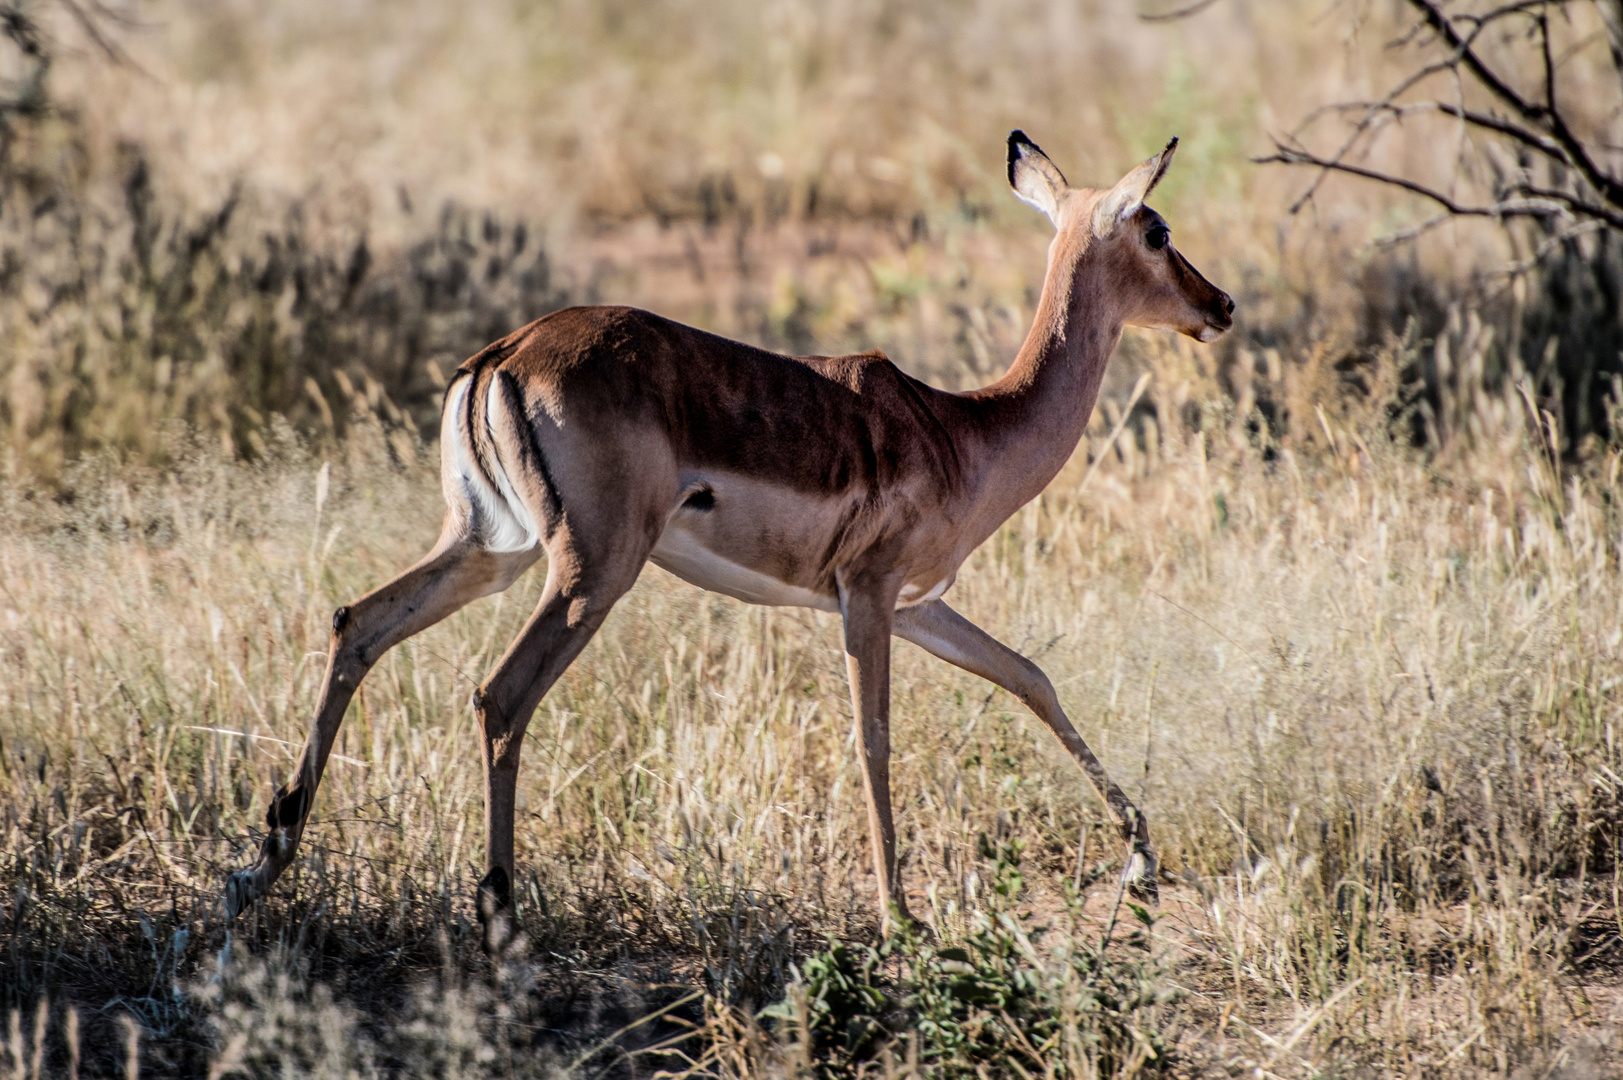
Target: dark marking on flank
{"x":702,"y":500}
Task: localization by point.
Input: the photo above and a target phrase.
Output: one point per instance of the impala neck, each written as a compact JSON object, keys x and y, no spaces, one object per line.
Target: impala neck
{"x":1036,"y":413}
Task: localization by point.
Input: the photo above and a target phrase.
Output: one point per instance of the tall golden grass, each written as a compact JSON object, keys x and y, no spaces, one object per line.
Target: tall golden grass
{"x":1355,"y":648}
{"x":1369,"y":698}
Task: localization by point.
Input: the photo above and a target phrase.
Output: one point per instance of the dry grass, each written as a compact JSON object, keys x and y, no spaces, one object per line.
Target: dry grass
{"x":1366,"y":684}
{"x":1370,"y":695}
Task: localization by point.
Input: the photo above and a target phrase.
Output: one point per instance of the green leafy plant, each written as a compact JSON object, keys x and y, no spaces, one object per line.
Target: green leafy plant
{"x":838,"y":1000}
{"x":1002,"y":1002}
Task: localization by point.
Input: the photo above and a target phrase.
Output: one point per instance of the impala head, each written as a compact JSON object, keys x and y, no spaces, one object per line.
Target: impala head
{"x":1156,"y":286}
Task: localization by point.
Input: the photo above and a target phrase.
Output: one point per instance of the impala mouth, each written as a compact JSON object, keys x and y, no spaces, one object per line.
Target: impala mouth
{"x":1219,"y":317}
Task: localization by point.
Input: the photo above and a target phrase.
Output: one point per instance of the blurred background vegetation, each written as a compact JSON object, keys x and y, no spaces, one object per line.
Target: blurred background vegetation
{"x":213,"y":214}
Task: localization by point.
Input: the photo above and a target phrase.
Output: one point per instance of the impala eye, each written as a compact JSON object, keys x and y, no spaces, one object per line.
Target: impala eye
{"x":1157,"y":237}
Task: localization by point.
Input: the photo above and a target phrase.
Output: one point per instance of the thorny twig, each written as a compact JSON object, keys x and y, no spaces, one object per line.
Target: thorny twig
{"x":1532,"y":125}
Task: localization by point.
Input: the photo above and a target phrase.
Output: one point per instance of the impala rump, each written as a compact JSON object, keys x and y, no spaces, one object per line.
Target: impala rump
{"x":478,"y":489}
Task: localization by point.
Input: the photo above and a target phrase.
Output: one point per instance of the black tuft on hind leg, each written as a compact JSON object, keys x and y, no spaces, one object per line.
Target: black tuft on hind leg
{"x":287,"y":808}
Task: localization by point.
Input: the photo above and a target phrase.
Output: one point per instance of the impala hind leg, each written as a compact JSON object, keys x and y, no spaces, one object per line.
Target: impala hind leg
{"x":578,"y":595}
{"x":943,"y":632}
{"x":449,"y":577}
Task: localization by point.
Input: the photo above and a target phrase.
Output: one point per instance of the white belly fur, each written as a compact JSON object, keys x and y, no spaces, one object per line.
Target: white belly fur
{"x":680,"y":552}
{"x":912,"y":594}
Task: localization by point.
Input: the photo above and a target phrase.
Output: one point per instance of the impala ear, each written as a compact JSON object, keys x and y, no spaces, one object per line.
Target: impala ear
{"x":1034,"y":178}
{"x":1123,"y":201}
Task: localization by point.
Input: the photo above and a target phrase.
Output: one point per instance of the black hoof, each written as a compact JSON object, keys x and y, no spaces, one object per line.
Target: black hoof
{"x":240,"y":892}
{"x":1140,"y":874}
{"x":495,"y":906}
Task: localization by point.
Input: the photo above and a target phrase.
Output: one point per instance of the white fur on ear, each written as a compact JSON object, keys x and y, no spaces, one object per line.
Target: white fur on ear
{"x":1124,"y":200}
{"x":1036,"y":180}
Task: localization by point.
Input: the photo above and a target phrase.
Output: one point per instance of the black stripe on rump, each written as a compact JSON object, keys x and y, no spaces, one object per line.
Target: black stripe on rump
{"x":533,"y":460}
{"x":481,"y":445}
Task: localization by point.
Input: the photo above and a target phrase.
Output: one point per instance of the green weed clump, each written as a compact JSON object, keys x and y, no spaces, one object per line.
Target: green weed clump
{"x":1008,"y":1000}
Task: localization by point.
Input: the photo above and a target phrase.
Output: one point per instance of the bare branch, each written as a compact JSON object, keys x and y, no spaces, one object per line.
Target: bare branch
{"x":26,"y":96}
{"x":1549,"y":244}
{"x":1549,"y":64}
{"x":1462,"y":49}
{"x":1573,"y":203}
{"x":122,"y":18}
{"x":1444,"y":29}
{"x":1403,"y":236}
{"x":1611,"y":13}
{"x":89,"y":22}
{"x":1522,"y":7}
{"x":1609,"y":187}
{"x":1182,"y":13}
{"x":1536,"y":125}
{"x":1533,"y":208}
{"x":1363,"y":125}
{"x":1533,"y":139}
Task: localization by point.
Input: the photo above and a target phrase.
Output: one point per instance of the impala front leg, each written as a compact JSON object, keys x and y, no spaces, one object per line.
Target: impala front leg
{"x":939,"y":630}
{"x":868,"y":607}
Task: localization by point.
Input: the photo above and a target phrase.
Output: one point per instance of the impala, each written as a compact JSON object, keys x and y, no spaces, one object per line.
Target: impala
{"x":608,"y":437}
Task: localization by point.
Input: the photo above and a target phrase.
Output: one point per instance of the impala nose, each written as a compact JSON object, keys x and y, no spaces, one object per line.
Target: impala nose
{"x":1223,"y":310}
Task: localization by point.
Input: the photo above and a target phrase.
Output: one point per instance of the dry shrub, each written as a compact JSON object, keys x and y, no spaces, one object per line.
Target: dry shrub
{"x":123,"y":323}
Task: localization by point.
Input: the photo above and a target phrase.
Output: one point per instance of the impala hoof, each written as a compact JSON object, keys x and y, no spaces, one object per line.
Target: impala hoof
{"x":241,"y":889}
{"x":495,"y":906}
{"x":1140,"y":875}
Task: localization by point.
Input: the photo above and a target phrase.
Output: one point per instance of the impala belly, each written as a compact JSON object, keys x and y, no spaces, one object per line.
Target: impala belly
{"x":683,"y":554}
{"x":922,"y":594}
{"x":764,"y":545}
